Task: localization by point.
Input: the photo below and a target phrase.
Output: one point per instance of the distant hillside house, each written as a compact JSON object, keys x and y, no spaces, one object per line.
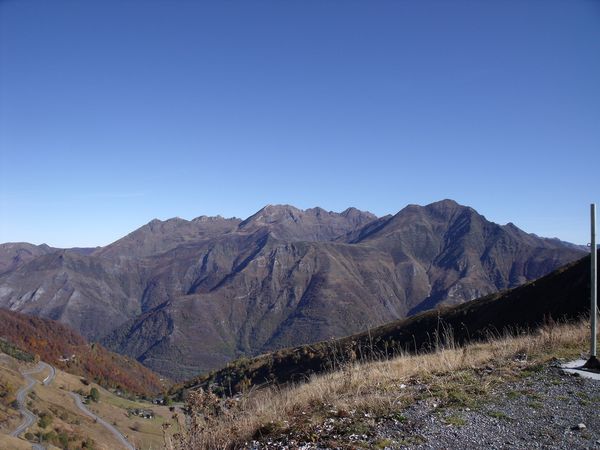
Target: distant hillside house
{"x":144,"y":413}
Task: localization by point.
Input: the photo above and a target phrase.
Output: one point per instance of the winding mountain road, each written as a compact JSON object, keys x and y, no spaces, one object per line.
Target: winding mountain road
{"x":28,"y":417}
{"x":102,"y":422}
{"x":50,"y":378}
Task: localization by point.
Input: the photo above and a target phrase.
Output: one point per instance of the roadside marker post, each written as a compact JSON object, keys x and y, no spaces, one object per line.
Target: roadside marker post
{"x":593,"y":362}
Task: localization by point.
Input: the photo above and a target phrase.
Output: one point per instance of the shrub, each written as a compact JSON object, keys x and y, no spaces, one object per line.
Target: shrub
{"x":88,"y":444}
{"x":45,"y":420}
{"x":94,"y":395}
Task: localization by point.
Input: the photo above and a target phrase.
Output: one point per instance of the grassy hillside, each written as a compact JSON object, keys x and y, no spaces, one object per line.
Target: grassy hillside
{"x":563,"y":294}
{"x":389,"y":404}
{"x":10,"y":382}
{"x":65,"y":426}
{"x":62,"y":347}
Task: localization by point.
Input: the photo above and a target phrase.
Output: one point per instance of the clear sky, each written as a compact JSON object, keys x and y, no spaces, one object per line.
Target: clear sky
{"x":113,"y":113}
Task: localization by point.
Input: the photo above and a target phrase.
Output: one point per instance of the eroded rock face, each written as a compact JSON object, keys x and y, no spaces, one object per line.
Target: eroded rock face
{"x":188,"y":296}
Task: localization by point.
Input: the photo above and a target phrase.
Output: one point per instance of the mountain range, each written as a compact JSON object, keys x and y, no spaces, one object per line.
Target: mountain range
{"x":185,"y":297}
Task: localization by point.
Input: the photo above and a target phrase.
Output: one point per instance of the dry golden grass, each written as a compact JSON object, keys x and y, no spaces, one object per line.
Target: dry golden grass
{"x":451,"y":374}
{"x":8,"y":442}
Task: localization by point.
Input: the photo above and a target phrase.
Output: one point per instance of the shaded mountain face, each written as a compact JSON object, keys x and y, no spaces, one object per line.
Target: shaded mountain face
{"x":449,"y":253}
{"x":187,"y":296}
{"x":561,"y":295}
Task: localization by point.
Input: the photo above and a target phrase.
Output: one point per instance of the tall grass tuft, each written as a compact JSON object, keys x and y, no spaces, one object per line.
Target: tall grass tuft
{"x":372,"y":383}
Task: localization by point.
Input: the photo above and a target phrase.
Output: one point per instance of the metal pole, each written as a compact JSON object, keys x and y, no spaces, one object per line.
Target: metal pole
{"x":593,"y":279}
{"x":593,"y":362}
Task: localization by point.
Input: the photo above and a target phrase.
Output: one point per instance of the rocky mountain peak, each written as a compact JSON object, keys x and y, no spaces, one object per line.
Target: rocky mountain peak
{"x":313,"y":224}
{"x":217,"y":218}
{"x":274,"y":212}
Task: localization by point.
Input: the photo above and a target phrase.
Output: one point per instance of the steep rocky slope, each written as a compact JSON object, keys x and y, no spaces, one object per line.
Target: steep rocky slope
{"x":452,"y":253}
{"x":91,"y":295}
{"x":558,"y":296}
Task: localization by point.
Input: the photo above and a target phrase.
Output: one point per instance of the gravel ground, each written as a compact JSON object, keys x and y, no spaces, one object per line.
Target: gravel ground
{"x":543,"y":410}
{"x":547,"y":409}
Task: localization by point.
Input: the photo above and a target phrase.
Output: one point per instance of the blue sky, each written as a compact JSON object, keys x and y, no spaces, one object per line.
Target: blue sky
{"x":116,"y":112}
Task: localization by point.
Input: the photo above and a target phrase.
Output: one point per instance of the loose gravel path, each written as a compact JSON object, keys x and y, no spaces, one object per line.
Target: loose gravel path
{"x":543,"y":410}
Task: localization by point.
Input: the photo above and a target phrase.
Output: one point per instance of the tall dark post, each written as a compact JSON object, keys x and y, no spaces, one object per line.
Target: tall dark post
{"x":593,"y":280}
{"x":593,"y":362}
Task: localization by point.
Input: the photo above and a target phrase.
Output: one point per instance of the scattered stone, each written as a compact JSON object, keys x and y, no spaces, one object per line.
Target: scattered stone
{"x":502,"y":420}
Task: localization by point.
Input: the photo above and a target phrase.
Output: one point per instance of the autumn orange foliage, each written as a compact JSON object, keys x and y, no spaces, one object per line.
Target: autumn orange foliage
{"x":62,"y":347}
